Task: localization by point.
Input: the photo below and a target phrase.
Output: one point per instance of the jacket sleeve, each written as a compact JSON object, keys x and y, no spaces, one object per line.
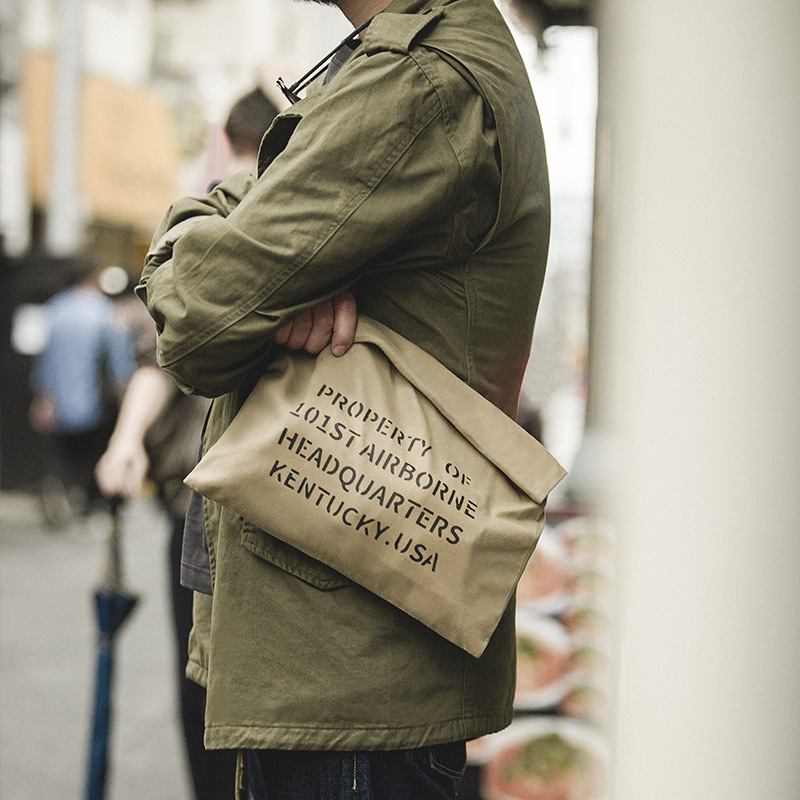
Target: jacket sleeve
{"x":187,"y":211}
{"x":366,"y":165}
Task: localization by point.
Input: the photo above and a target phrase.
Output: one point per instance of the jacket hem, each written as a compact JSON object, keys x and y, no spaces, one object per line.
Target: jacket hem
{"x":313,"y":736}
{"x":197,"y":673}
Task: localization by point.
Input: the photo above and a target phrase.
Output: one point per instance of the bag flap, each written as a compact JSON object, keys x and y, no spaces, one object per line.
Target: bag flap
{"x":525,"y":461}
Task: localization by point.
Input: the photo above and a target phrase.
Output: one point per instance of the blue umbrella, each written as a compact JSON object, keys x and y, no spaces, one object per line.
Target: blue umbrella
{"x":113,"y":605}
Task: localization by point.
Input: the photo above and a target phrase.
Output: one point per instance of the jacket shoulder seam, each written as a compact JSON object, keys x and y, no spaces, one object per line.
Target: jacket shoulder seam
{"x":447,"y":123}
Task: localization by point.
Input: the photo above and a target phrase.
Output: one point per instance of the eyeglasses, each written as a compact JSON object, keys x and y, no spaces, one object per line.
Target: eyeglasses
{"x":291,"y":92}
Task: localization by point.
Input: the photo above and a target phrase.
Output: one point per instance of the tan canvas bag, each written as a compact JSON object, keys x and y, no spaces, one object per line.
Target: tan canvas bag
{"x":385,"y":466}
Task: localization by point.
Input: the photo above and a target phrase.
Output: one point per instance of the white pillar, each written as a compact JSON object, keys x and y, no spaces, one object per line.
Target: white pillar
{"x":15,"y":201}
{"x":65,"y":213}
{"x":696,"y":373}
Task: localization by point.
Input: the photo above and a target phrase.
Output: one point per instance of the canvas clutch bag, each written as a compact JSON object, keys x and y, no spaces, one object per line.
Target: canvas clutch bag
{"x":389,"y":469}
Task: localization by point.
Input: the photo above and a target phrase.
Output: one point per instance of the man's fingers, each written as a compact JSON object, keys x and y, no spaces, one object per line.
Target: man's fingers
{"x":136,"y":474}
{"x":331,"y":321}
{"x":301,"y":327}
{"x":345,"y":317}
{"x":282,"y":334}
{"x":321,"y":328}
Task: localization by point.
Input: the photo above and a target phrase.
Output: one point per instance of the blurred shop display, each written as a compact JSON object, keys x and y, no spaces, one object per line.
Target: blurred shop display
{"x":555,"y":749}
{"x":128,"y":157}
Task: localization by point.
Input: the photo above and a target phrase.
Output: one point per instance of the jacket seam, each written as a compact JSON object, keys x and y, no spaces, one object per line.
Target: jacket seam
{"x":212,"y":568}
{"x":463,"y":694}
{"x":470,"y":319}
{"x":445,"y":107}
{"x":358,"y":197}
{"x":212,"y":560}
{"x":452,"y":140}
{"x":458,"y":153}
{"x":376,"y":727}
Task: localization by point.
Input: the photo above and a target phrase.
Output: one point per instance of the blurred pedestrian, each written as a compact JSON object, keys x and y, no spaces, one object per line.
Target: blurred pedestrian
{"x":157,"y":436}
{"x":78,"y":379}
{"x":248,"y":120}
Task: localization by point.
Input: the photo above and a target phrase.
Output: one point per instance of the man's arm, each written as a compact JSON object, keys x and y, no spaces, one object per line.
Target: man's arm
{"x":182,"y":214}
{"x":369,"y":164}
{"x":123,"y":466}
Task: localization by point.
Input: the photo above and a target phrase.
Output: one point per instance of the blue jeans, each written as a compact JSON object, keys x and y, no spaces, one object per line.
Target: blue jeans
{"x":428,"y":773}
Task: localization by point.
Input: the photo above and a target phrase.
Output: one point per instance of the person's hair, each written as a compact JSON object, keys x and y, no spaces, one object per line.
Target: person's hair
{"x":248,"y":120}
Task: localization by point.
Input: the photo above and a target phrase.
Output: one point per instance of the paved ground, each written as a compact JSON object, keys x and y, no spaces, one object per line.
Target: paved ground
{"x":47,"y":660}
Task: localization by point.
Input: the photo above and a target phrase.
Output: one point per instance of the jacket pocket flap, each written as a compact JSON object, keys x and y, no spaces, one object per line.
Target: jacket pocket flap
{"x":290,"y":559}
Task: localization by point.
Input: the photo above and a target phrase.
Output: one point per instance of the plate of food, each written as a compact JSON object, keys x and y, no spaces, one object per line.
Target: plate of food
{"x":545,"y":666}
{"x":587,"y":539}
{"x":548,"y":581}
{"x":585,"y":701}
{"x":547,"y":758}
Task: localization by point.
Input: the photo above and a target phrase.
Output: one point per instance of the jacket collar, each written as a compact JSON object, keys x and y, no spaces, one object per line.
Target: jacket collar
{"x":412,"y":6}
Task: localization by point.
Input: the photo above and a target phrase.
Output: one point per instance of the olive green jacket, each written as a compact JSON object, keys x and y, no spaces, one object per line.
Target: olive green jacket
{"x":416,"y":178}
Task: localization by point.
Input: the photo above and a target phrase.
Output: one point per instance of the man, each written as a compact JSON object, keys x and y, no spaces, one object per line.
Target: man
{"x":247,"y":121}
{"x":414,"y":177}
{"x":79,"y":377}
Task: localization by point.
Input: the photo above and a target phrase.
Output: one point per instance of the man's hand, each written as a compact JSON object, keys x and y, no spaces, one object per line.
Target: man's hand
{"x":329,"y":322}
{"x":122,"y":469}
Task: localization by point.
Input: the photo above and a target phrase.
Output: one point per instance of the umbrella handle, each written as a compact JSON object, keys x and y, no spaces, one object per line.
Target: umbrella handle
{"x":114,"y":566}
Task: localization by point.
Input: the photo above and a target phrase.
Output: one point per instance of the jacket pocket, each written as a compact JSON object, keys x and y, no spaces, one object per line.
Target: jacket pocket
{"x":290,"y":559}
{"x":276,"y":138}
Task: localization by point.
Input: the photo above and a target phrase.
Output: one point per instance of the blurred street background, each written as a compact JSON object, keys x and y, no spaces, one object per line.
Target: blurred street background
{"x":47,"y":643}
{"x":659,"y":623}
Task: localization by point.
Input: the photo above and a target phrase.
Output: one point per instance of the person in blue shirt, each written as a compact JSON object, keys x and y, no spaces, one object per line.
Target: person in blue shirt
{"x":78,"y":378}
